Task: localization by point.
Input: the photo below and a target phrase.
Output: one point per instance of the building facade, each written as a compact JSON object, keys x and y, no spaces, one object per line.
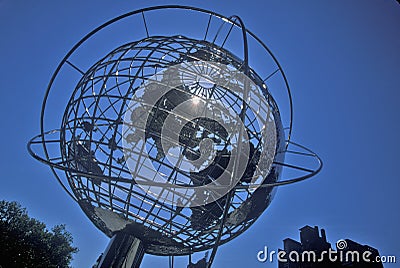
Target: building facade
{"x":314,"y":251}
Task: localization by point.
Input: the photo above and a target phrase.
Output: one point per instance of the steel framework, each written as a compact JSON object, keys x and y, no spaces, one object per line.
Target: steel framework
{"x":86,"y":153}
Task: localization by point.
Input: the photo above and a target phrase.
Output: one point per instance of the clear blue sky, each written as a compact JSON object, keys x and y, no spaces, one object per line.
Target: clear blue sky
{"x":342,"y":60}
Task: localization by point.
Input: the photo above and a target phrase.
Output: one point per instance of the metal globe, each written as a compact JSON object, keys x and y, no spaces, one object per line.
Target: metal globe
{"x":170,"y":141}
{"x":92,"y":146}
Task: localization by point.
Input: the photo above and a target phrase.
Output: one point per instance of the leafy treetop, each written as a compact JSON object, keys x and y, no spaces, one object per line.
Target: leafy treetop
{"x":26,"y":242}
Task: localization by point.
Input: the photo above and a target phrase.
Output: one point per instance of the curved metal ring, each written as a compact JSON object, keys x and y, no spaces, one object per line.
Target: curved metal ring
{"x":61,"y":165}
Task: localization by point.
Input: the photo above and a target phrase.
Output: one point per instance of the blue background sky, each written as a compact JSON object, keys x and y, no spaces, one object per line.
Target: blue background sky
{"x":342,"y":60}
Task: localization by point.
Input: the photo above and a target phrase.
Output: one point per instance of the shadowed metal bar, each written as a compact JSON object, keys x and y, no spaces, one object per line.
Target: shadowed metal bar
{"x":75,"y":67}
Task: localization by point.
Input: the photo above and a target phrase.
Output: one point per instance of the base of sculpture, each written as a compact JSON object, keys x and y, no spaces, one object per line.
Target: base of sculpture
{"x":124,"y":250}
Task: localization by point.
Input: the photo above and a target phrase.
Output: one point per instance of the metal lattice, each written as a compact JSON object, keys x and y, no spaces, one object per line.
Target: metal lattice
{"x":88,"y":148}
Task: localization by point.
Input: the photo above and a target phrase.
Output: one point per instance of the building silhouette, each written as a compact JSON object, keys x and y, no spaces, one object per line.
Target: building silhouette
{"x":314,"y":251}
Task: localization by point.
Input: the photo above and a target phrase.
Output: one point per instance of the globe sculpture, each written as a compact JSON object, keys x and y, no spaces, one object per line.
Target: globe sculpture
{"x":169,"y":142}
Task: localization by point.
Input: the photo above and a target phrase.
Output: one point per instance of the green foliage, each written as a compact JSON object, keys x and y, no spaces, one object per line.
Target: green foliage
{"x":26,"y":242}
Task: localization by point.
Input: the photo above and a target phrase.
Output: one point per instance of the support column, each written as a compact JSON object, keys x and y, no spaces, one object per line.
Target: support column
{"x":124,"y":250}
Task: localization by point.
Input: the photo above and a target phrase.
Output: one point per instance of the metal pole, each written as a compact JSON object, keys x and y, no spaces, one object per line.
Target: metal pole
{"x":124,"y":250}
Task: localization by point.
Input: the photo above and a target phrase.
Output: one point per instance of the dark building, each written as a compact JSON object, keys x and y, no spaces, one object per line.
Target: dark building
{"x":351,"y":259}
{"x":313,"y":251}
